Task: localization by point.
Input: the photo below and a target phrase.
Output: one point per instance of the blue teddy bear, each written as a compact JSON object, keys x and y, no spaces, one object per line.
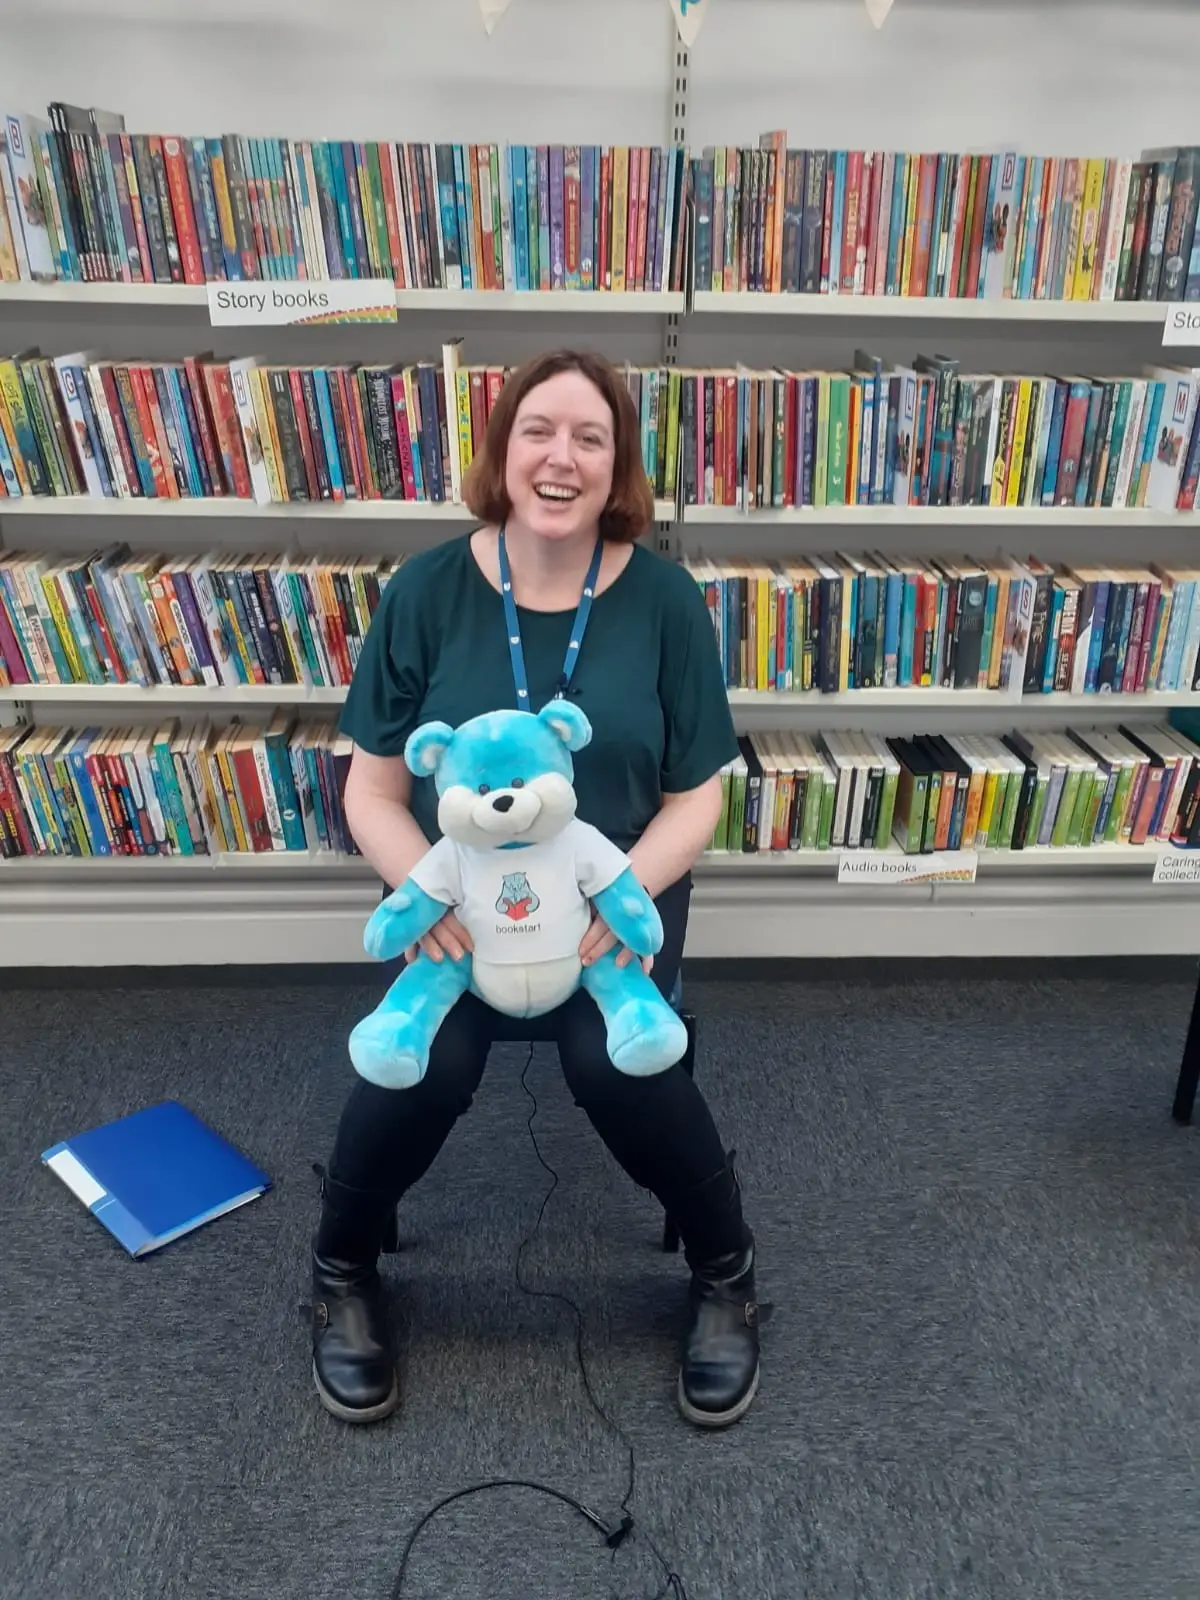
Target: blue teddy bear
{"x":521,"y":872}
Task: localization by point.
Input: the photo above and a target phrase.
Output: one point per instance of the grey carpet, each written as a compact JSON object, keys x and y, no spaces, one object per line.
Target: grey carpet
{"x":975,"y":1218}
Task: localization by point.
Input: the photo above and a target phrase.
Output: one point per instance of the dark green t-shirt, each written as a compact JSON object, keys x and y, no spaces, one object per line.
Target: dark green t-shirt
{"x":648,"y":677}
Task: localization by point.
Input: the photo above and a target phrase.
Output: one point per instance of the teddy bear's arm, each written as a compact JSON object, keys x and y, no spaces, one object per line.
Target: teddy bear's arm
{"x":405,"y":916}
{"x":631,"y":914}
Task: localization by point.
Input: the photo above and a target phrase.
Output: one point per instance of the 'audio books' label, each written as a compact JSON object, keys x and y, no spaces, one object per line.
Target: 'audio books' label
{"x":884,"y":866}
{"x":1181,"y":325}
{"x":295,"y":303}
{"x":1177,"y":866}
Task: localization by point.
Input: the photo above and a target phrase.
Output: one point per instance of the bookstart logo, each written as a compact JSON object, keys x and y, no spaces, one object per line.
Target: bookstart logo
{"x":516,"y":900}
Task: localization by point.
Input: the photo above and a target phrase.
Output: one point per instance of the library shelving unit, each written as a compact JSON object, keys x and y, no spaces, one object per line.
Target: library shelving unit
{"x":300,"y":906}
{"x":858,"y":308}
{"x":567,"y":303}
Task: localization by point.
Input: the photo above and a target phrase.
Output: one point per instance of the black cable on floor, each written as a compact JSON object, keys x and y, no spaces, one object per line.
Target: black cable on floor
{"x":619,"y":1528}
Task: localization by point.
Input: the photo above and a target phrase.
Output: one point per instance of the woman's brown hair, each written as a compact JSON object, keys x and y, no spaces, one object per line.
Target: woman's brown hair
{"x":630,"y":508}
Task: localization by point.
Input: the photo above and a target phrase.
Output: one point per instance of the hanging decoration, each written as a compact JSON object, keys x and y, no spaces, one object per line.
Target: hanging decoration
{"x":492,"y":11}
{"x":689,"y":18}
{"x":877,"y":10}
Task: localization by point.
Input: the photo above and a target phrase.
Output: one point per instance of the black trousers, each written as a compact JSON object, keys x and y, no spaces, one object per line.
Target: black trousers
{"x":659,"y":1129}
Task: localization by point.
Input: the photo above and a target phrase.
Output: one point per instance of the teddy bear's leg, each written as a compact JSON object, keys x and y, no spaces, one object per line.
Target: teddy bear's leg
{"x":390,"y":1047}
{"x":644,"y":1035}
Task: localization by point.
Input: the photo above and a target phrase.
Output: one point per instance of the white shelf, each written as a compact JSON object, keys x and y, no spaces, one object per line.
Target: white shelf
{"x":326,"y":864}
{"x":1132,"y":517}
{"x":900,"y":307}
{"x":913,"y":700}
{"x":103,"y":294}
{"x":268,"y":909}
{"x":958,"y":516}
{"x":964,"y":699}
{"x":562,"y":302}
{"x":645,"y":303}
{"x":322,"y":863}
{"x":227,"y":507}
{"x":1039,"y":858}
{"x":136,"y":698}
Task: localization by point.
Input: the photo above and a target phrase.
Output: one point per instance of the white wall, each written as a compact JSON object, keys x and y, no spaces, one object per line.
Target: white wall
{"x":1056,"y":76}
{"x":368,"y":69}
{"x":1102,"y":75}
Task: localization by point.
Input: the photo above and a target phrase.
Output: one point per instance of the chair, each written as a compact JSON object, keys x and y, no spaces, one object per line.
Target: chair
{"x":670,"y":1239}
{"x":1189,"y":1067}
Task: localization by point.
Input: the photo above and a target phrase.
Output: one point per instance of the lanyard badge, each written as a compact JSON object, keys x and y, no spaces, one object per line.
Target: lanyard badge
{"x":578,"y":627}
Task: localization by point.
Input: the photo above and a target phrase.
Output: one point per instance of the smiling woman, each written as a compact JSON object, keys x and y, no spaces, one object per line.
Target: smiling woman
{"x":561,"y":455}
{"x":552,"y":595}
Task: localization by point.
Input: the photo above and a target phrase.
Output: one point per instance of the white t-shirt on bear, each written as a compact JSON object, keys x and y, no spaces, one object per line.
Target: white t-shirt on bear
{"x":528,"y":904}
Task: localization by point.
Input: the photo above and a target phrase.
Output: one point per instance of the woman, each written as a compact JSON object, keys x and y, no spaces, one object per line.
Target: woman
{"x":559,"y":485}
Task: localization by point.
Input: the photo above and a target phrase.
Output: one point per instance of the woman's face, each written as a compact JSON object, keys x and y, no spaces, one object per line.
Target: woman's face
{"x":560,"y":457}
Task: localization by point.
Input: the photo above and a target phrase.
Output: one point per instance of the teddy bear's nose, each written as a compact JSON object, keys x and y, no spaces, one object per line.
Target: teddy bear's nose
{"x":503,"y":802}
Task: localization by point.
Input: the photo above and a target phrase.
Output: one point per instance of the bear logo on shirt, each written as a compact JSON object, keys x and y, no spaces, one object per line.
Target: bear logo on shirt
{"x":517,"y":899}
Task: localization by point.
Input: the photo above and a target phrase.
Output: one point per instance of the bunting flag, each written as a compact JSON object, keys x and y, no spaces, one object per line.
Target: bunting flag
{"x":689,"y":18}
{"x":492,"y":11}
{"x":877,"y":10}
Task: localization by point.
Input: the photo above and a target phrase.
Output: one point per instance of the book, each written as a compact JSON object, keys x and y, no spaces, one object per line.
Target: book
{"x":930,"y":434}
{"x":175,"y":789}
{"x":914,"y":623}
{"x":1137,"y":784}
{"x":155,"y":1175}
{"x":84,"y":199}
{"x":995,"y":225}
{"x":203,"y":429}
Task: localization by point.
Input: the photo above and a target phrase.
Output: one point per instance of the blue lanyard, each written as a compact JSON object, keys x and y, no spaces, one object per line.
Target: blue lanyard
{"x":578,"y":627}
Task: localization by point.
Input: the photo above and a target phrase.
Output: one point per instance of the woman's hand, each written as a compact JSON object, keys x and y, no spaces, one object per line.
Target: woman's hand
{"x":600,"y":938}
{"x":447,"y":937}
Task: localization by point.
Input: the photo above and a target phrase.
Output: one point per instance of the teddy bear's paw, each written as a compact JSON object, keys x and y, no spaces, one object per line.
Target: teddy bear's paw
{"x":385,"y":1050}
{"x":644,"y":1039}
{"x":383,"y":936}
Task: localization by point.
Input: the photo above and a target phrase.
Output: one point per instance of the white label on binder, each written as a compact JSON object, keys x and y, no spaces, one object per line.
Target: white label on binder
{"x":1177,"y":866}
{"x":887,"y":866}
{"x":1181,"y":325}
{"x":77,"y":1177}
{"x":259,"y":303}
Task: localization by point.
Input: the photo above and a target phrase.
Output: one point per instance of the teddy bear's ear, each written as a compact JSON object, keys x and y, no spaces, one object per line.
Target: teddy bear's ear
{"x":426,"y":746}
{"x":568,"y":722}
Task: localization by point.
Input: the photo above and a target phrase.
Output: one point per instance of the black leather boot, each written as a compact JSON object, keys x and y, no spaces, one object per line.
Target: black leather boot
{"x":718,"y":1376}
{"x":354,"y":1366}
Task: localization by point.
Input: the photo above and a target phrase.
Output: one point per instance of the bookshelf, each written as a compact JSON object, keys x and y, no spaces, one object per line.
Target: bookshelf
{"x":899,"y":309}
{"x":1012,"y":519}
{"x":701,"y":304}
{"x":229,"y":509}
{"x":304,"y":905}
{"x":566,"y":303}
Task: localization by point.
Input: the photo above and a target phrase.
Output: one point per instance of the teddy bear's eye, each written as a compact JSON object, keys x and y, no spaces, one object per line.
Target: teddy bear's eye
{"x":517,"y":783}
{"x":483,"y":788}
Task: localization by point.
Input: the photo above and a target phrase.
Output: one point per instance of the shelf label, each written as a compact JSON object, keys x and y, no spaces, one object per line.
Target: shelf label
{"x":886,"y":866}
{"x":1181,"y":325}
{"x":294,"y":303}
{"x":1172,"y":865}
